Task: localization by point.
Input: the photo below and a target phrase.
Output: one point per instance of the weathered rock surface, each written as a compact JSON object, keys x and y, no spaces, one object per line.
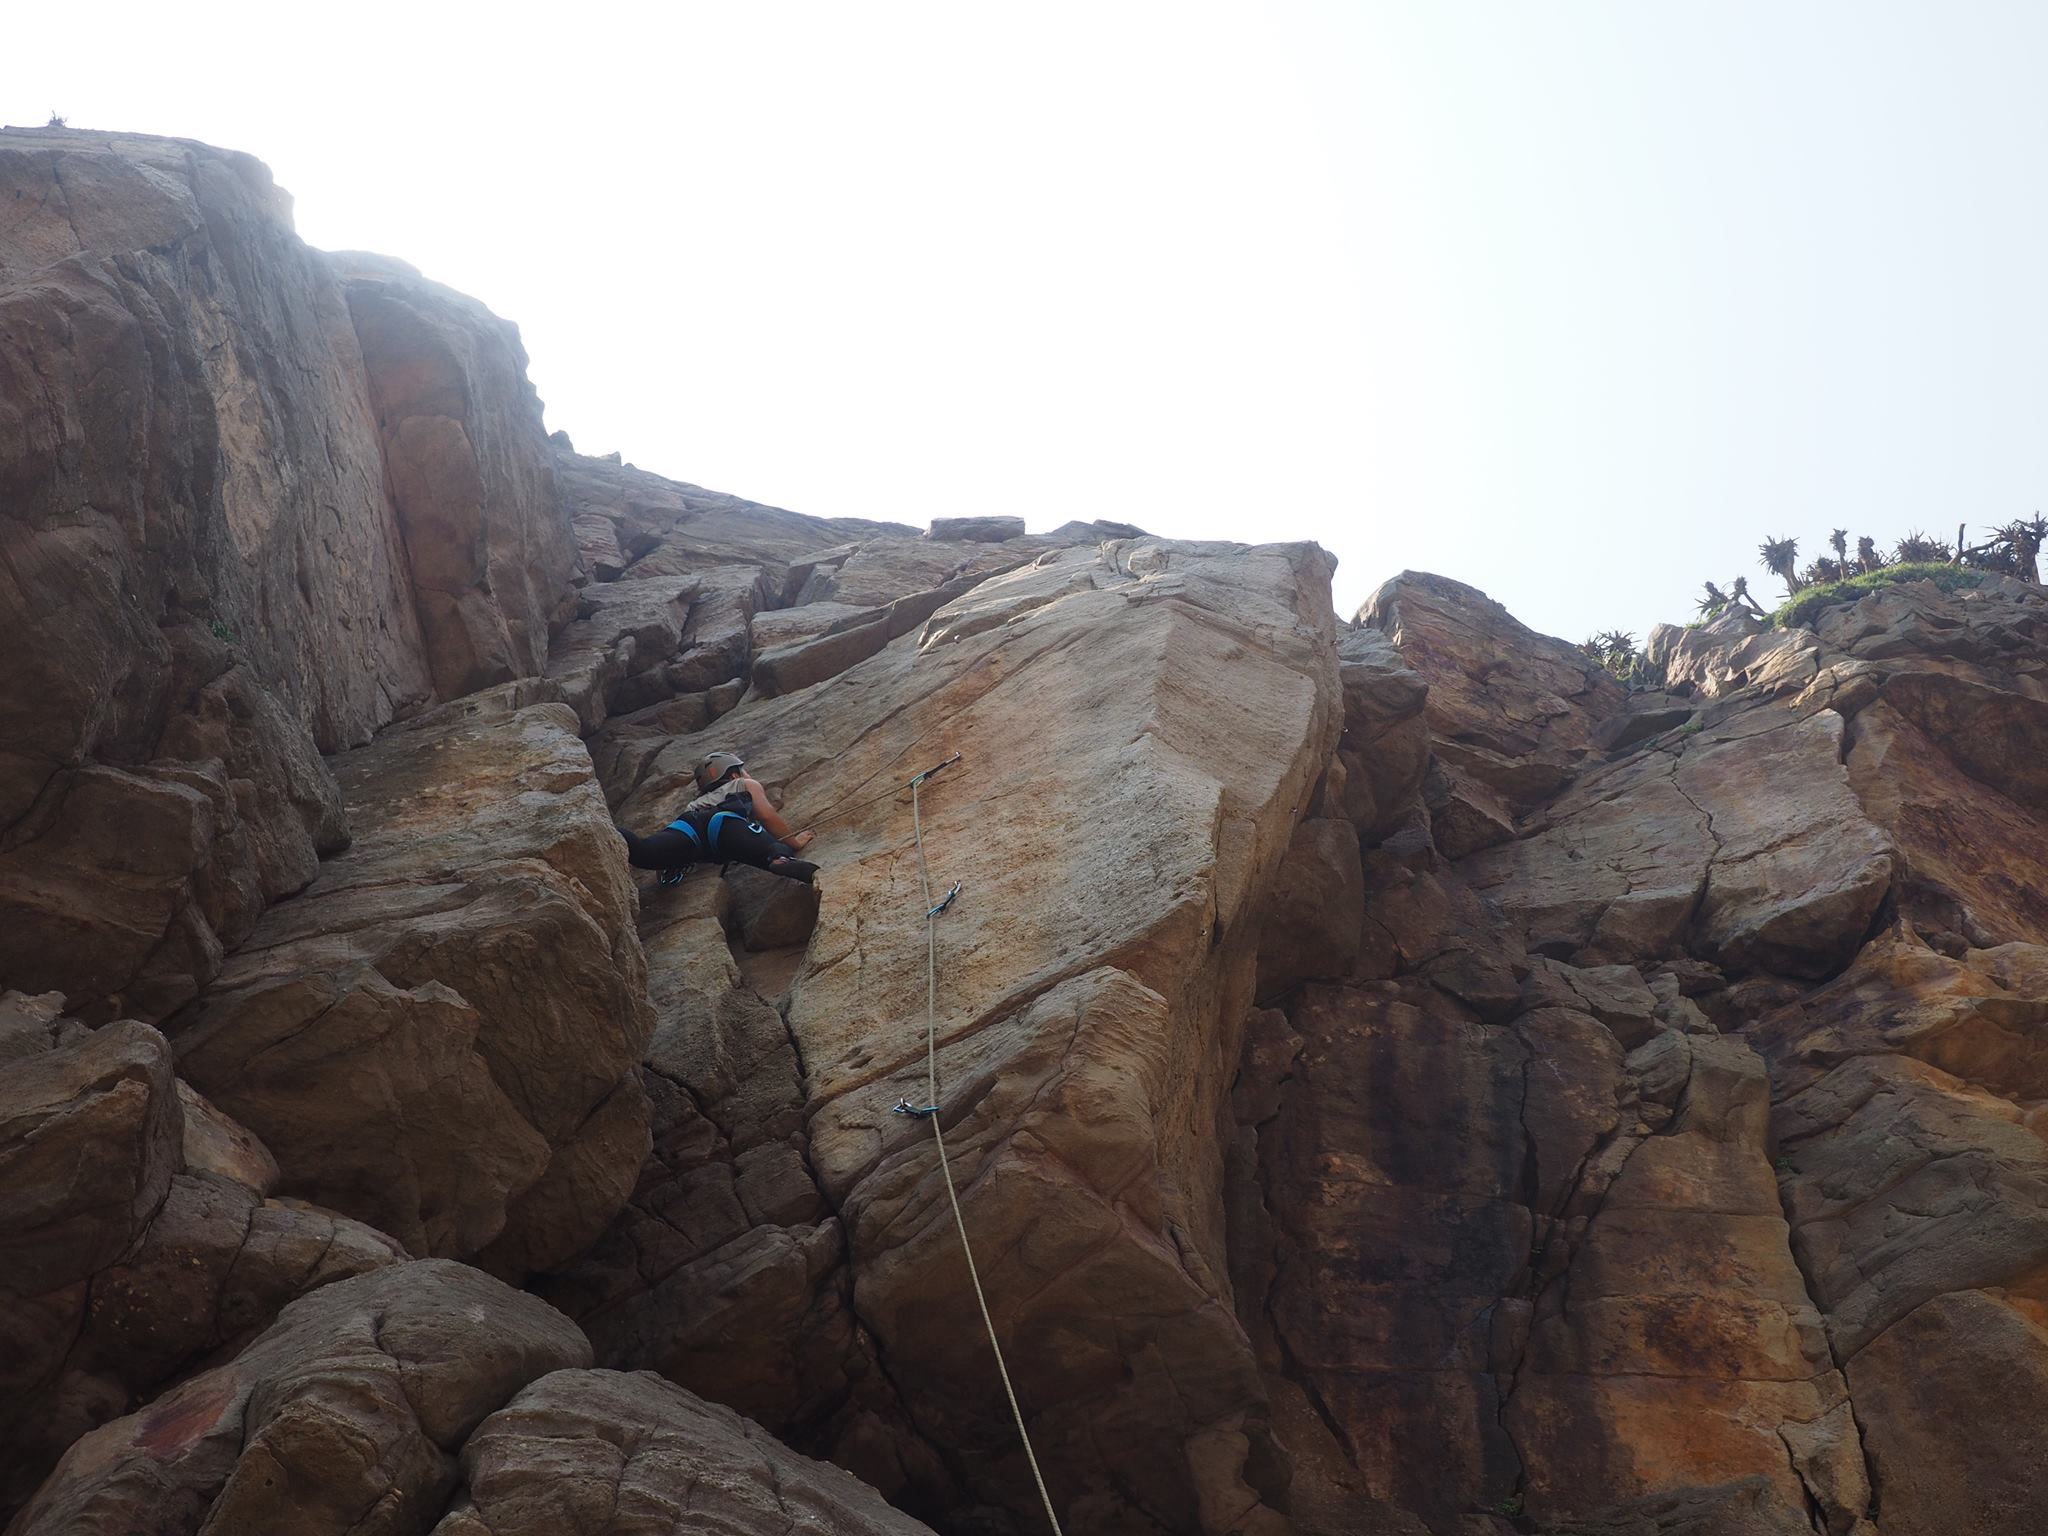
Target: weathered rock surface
{"x":1951,"y":1397}
{"x":1745,"y":844}
{"x":1747,"y":1507}
{"x":1709,"y":1289}
{"x":231,"y":511}
{"x":125,"y":1258}
{"x":982,"y":530}
{"x":470,"y":473}
{"x":1512,"y":713}
{"x":1396,"y":1080}
{"x":439,"y":1036}
{"x":582,"y":1453}
{"x":1094,"y":993}
{"x":345,"y":1416}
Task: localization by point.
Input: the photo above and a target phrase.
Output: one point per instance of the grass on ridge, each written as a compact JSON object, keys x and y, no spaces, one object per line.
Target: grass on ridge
{"x":1801,"y":607}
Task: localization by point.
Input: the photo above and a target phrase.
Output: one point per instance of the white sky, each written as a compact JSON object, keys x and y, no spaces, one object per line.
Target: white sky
{"x":1574,"y":301}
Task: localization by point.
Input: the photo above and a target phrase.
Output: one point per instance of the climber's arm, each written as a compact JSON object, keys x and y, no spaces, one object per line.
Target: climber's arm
{"x":771,"y":818}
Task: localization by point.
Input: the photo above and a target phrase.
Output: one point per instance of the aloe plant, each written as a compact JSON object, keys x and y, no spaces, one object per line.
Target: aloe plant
{"x":1918,"y":549}
{"x":1780,"y":557}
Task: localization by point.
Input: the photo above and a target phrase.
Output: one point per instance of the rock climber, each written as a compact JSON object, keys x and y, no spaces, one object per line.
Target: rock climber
{"x":732,"y":821}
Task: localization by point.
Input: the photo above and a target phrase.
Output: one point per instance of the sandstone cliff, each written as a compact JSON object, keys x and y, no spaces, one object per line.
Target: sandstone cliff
{"x":1396,"y":1080}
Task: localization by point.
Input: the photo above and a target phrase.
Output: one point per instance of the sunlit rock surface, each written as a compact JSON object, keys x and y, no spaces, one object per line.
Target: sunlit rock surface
{"x":1398,"y":1082}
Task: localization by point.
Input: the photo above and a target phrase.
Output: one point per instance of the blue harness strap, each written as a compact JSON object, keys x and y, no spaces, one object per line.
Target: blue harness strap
{"x":675,"y":876}
{"x":717,"y":825}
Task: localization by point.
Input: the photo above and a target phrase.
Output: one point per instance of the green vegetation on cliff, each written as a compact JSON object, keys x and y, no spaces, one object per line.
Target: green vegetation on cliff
{"x":1805,"y":604}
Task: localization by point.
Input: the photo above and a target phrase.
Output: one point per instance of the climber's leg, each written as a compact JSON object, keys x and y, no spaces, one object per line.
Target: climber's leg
{"x":673,"y":847}
{"x":733,"y":838}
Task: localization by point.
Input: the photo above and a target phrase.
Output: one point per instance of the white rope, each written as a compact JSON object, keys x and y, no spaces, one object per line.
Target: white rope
{"x":931,"y":1062}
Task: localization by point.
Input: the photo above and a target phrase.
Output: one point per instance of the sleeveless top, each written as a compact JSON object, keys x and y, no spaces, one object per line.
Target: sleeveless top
{"x":715,"y":798}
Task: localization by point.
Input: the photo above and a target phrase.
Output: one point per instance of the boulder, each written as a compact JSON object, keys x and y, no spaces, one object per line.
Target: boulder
{"x":579,"y":1453}
{"x":127,"y":1259}
{"x":89,"y":1141}
{"x":976,"y":530}
{"x":439,"y":1036}
{"x":1745,"y":844}
{"x":1944,"y":1396}
{"x":1512,"y":711}
{"x":345,"y":1416}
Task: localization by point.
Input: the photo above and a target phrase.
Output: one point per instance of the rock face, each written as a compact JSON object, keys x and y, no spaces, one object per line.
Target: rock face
{"x":470,"y":473}
{"x":1093,"y":1000}
{"x":346,"y":1415}
{"x":1642,"y":1149}
{"x":439,"y":1035}
{"x":250,"y":517}
{"x":131,"y":1245}
{"x":1396,"y":1082}
{"x":580,"y":1453}
{"x":1511,"y":713}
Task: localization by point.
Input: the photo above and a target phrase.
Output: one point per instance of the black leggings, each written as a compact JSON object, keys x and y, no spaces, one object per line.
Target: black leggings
{"x":728,"y":838}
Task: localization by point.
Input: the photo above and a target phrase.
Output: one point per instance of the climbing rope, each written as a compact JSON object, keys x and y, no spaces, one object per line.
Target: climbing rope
{"x":932,"y":913}
{"x":890,"y":793}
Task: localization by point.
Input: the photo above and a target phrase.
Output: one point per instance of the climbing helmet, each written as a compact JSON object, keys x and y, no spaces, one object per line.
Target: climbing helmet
{"x":715,"y":767}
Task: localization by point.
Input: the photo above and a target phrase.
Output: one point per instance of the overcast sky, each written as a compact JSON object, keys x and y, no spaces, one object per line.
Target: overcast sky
{"x":1574,"y":301}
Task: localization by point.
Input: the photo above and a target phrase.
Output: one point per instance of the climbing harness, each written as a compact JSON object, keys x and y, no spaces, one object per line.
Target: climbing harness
{"x":930,"y":1111}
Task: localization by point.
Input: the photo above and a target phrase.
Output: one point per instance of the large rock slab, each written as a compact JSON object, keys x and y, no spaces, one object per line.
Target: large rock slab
{"x":202,"y":582}
{"x":584,"y":1453}
{"x":344,"y":1417}
{"x":1797,"y":870}
{"x":1745,"y":845}
{"x":200,"y":387}
{"x":439,"y":1036}
{"x":727,"y":1239}
{"x":1183,"y":700}
{"x":1563,"y":1271}
{"x":1377,"y":1232}
{"x":90,"y":1138}
{"x":1675,"y":1345}
{"x":470,"y":471}
{"x":1513,"y":714}
{"x":123,"y":1260}
{"x":1947,"y":1397}
{"x":1913,"y":1169}
{"x":1972,"y":855}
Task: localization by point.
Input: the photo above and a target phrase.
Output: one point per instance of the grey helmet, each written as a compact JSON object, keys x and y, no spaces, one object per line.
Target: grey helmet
{"x":716,"y":768}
